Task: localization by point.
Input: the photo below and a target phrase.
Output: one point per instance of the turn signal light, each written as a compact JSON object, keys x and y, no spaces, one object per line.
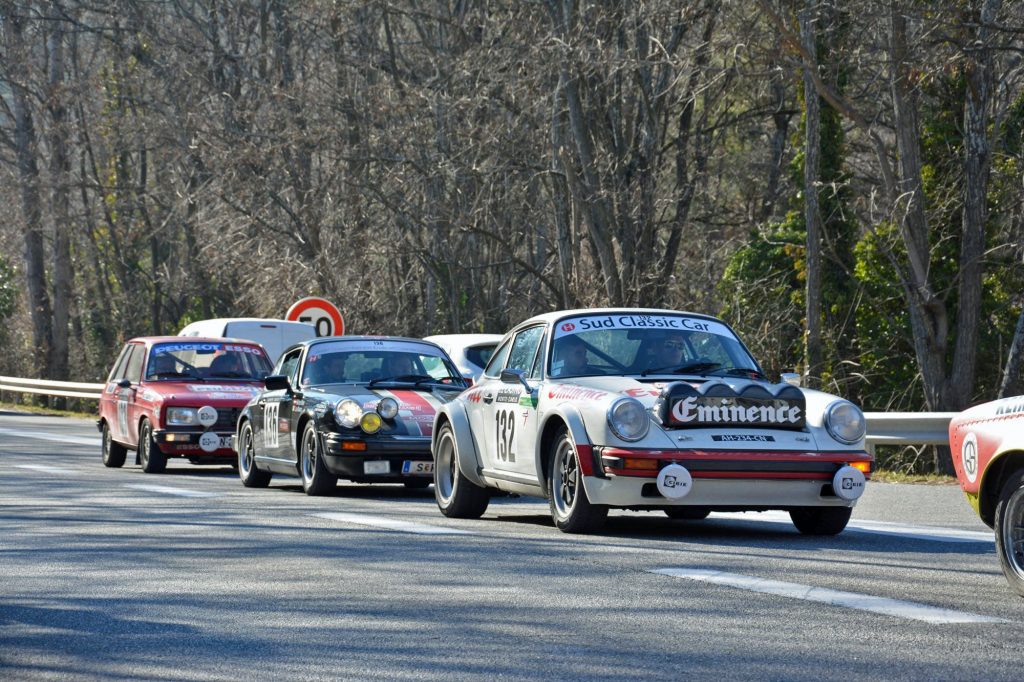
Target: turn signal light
{"x":863,"y":467}
{"x":353,"y":445}
{"x":648,"y":464}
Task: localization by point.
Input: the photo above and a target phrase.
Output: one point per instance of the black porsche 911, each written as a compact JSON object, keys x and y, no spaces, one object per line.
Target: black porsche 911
{"x":360,"y":408}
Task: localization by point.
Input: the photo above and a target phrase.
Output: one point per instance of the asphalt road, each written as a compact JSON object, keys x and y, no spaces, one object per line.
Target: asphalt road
{"x":115,"y":574}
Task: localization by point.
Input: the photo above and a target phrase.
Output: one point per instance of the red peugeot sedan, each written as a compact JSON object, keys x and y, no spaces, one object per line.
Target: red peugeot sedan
{"x":169,"y":396}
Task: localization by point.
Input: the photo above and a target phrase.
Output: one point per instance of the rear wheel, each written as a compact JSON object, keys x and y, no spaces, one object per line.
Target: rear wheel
{"x":251,"y":476}
{"x":687,"y":513}
{"x":457,"y":496}
{"x":114,"y":454}
{"x":571,"y":509}
{"x":821,"y":520}
{"x":316,"y":479}
{"x":1009,"y":526}
{"x":152,"y":460}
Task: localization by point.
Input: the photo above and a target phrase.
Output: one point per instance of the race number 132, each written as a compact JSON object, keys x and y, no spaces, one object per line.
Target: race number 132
{"x":505,"y":423}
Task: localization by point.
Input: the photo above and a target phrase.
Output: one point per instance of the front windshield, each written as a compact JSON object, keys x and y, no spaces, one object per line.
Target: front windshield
{"x":647,"y":345}
{"x":374,"y":361}
{"x":206,"y":360}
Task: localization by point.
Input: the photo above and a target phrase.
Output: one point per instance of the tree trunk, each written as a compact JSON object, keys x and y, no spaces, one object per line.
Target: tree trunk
{"x":812,"y":214}
{"x":26,"y":148}
{"x":60,"y":200}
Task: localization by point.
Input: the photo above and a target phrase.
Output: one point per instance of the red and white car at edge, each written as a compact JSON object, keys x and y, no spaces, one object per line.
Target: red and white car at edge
{"x":172,"y":396}
{"x":987,"y":444}
{"x":645,"y":409}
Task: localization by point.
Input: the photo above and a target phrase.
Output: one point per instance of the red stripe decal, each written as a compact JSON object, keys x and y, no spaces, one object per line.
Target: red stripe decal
{"x":422,"y":409}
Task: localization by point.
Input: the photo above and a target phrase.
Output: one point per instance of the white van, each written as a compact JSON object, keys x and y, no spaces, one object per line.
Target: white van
{"x":274,"y":335}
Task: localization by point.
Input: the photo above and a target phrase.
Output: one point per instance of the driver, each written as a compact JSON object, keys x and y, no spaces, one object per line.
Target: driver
{"x":398,"y":365}
{"x":161,"y":363}
{"x":669,"y":353}
{"x":571,"y":352}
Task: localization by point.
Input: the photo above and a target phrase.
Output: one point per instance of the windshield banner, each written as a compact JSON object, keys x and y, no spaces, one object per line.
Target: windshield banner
{"x":578,"y":325}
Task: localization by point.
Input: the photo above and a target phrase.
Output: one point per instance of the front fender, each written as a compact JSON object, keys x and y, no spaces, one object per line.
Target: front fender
{"x":468,"y":458}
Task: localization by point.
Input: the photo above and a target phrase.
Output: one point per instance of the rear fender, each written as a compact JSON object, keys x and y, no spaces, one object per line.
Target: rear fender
{"x":454,"y":413}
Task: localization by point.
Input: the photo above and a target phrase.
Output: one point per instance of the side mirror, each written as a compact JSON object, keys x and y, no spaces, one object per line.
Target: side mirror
{"x":276,"y":382}
{"x":515,"y":376}
{"x":124,"y":383}
{"x":791,"y":378}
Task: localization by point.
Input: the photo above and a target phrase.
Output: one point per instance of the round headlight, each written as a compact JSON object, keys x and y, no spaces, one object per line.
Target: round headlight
{"x":347,"y":413}
{"x":388,"y":408}
{"x":370,"y":422}
{"x":181,"y":416}
{"x":845,"y":422}
{"x":628,"y":419}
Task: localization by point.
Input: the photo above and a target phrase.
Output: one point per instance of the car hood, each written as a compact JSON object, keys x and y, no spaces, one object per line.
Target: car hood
{"x":234,"y":393}
{"x":416,"y":407}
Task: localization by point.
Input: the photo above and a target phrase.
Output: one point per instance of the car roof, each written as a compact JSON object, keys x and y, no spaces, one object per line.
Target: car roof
{"x":151,"y":340}
{"x":333,"y":339}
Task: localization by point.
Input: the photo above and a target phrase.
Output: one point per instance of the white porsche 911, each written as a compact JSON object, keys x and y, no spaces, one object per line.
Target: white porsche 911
{"x":645,"y":409}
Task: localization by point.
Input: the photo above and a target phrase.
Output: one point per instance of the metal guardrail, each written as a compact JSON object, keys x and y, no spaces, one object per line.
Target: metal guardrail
{"x":907,"y":428}
{"x":884,"y":428}
{"x":66,"y":389}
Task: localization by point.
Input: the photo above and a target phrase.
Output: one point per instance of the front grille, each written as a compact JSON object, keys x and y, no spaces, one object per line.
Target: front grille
{"x":227,"y":418}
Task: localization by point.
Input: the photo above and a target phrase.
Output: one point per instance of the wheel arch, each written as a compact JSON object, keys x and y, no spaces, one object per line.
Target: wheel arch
{"x":454,"y":414}
{"x":565,"y":417}
{"x":998,"y":471}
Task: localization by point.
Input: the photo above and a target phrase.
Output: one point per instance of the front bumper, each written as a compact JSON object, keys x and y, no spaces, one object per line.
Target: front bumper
{"x":722,"y":479}
{"x":186,"y":444}
{"x":378,"y":459}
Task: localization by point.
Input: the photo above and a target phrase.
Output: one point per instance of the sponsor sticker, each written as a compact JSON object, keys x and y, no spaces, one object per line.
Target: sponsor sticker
{"x":578,"y":325}
{"x":969,"y":456}
{"x":704,"y":410}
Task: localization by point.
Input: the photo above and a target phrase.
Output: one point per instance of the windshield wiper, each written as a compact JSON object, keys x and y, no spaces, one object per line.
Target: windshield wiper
{"x":691,"y":368}
{"x":416,"y":379}
{"x":749,"y":372}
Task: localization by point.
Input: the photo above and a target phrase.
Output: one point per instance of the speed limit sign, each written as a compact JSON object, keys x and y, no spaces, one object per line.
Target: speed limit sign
{"x":320,"y":313}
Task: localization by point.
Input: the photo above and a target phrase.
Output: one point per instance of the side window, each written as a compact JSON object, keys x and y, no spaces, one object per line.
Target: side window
{"x":117,"y":371}
{"x":538,"y":364}
{"x":133,"y":373}
{"x":497,"y":362}
{"x":289,"y":366}
{"x":524,"y":349}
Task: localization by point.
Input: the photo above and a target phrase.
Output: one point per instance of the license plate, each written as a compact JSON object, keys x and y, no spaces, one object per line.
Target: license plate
{"x":410,"y":467}
{"x":378,"y":467}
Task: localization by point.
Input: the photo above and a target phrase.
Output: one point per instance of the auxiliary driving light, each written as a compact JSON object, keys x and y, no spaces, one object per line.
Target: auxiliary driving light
{"x":370,"y":422}
{"x":388,"y":408}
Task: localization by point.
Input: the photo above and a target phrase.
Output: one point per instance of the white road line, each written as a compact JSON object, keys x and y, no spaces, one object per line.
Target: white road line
{"x":863,"y":602}
{"x":392,"y":524}
{"x":39,"y":435}
{"x":180,"y":492}
{"x":934,"y":533}
{"x":46,"y":469}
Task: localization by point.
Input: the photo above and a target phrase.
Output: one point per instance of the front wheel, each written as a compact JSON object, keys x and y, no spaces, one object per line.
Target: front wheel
{"x":457,"y":496}
{"x":114,"y":454}
{"x":316,"y":479}
{"x":251,"y":476}
{"x":821,"y":520}
{"x":153,"y":461}
{"x":1009,"y":526}
{"x":571,"y":508}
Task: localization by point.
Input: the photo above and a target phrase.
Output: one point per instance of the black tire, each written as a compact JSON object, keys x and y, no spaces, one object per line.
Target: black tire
{"x":153,"y":461}
{"x":821,"y":520}
{"x":457,"y":497}
{"x":316,"y":479}
{"x":687,"y":513}
{"x":252,"y":477}
{"x":571,"y":509}
{"x":114,"y":453}
{"x":1009,"y":532}
{"x":416,"y":484}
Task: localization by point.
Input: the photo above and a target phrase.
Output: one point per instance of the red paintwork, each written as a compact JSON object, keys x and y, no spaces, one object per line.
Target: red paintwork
{"x":995,"y":429}
{"x":149,"y":399}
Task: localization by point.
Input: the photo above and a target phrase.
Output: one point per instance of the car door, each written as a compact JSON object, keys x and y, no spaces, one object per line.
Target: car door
{"x":276,"y":408}
{"x":480,"y":403}
{"x":508,"y":420}
{"x":128,"y":411}
{"x":110,"y":401}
